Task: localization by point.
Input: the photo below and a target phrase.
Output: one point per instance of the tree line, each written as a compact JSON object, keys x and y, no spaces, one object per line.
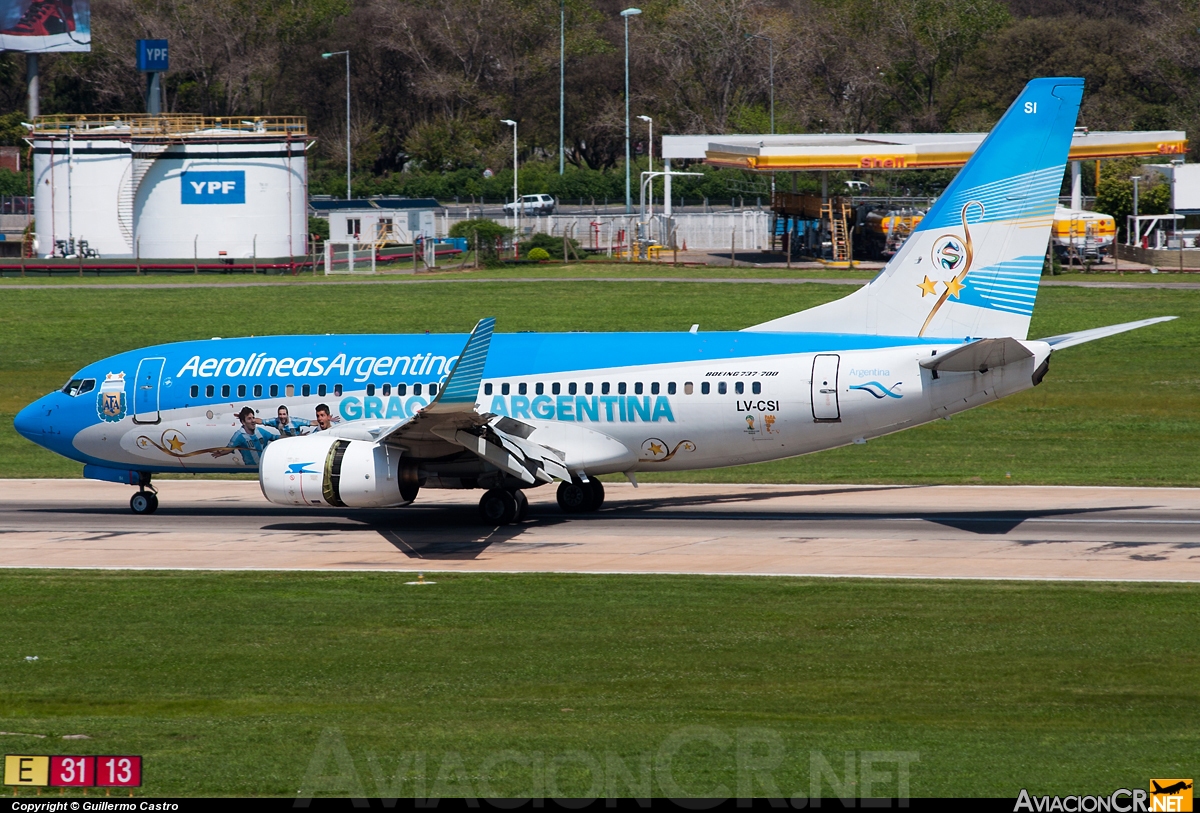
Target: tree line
{"x":431,"y":79}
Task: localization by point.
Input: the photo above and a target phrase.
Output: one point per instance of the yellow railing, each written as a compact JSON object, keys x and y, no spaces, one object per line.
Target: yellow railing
{"x":171,"y":125}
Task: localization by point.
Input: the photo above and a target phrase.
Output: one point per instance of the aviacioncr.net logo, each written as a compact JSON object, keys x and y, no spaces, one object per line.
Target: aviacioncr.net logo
{"x":949,"y":253}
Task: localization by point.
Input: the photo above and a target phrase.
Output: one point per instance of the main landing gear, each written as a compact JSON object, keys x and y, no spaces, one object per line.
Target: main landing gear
{"x":146,"y":499}
{"x":578,"y":497}
{"x":502,"y":507}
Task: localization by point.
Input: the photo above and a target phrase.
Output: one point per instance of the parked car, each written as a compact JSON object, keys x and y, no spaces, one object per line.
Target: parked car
{"x":533,"y":205}
{"x":858,"y":187}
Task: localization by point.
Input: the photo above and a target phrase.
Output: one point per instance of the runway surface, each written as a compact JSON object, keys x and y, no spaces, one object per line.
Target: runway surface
{"x":890,"y":531}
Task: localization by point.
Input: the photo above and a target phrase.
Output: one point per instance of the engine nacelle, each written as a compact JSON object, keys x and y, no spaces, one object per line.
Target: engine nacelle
{"x":323,"y":470}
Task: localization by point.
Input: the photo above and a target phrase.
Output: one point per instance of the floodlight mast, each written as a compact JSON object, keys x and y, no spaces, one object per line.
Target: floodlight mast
{"x":516,"y":197}
{"x":347,"y":53}
{"x":627,"y":13}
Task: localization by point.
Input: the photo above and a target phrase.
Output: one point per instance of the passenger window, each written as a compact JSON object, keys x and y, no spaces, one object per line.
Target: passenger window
{"x":209,"y":391}
{"x":523,"y":388}
{"x":320,"y":390}
{"x":621,"y":388}
{"x":401,"y":389}
{"x":756,"y":387}
{"x":572,"y":388}
{"x":487,"y":389}
{"x":416,"y":389}
{"x":224,"y":390}
{"x":291,"y":390}
{"x":604,"y":388}
{"x":504,"y":389}
{"x":88,"y":385}
{"x":195,"y":391}
{"x":671,"y":388}
{"x":241,"y":390}
{"x":654,"y":388}
{"x":739,"y":388}
{"x":637,"y":388}
{"x":258,"y":390}
{"x":305,"y":390}
{"x":556,"y":388}
{"x":274,"y":390}
{"x":587,"y":388}
{"x":432,"y":390}
{"x":370,"y":389}
{"x":704,"y":388}
{"x":337,"y":389}
{"x":387,"y":390}
{"x":722,"y":388}
{"x":539,"y":388}
{"x":687,"y":388}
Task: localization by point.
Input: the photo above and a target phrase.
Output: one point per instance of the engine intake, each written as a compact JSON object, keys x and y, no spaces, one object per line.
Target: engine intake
{"x":321,"y":470}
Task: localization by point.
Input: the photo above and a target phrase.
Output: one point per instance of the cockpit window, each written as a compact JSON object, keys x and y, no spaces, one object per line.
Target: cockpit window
{"x":78,"y":386}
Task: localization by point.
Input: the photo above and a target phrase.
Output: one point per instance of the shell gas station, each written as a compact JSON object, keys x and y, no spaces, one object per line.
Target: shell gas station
{"x":842,"y":225}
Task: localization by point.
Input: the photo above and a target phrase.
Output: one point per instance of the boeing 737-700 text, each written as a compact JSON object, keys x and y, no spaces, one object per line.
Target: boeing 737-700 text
{"x":368,"y":420}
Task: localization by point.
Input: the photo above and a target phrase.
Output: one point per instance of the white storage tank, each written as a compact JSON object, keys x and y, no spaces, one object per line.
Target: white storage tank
{"x":172,"y":187}
{"x":77,"y":174}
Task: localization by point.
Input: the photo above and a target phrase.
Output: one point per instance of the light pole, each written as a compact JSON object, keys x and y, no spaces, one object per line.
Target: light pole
{"x":770,"y":69}
{"x":627,"y":13}
{"x":516,"y":198}
{"x":1136,"y":225}
{"x":650,"y":168}
{"x":347,"y":53}
{"x":562,"y":74}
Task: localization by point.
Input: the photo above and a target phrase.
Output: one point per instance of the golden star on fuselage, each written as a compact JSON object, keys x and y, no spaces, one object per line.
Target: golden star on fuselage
{"x":927,"y":287}
{"x":175,"y":443}
{"x":656,"y":449}
{"x":953,"y":286}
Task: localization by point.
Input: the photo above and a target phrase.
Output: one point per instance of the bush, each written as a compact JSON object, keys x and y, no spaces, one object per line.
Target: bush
{"x":490,"y":235}
{"x":549,"y":243}
{"x":539,"y":254}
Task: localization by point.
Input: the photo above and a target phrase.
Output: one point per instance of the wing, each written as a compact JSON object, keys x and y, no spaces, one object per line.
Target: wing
{"x":453,"y":423}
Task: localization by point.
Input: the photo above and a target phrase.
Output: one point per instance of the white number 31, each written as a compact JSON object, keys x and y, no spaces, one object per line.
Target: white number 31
{"x":1030,"y":107}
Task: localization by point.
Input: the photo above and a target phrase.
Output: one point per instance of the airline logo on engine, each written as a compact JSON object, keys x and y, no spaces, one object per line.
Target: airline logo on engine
{"x":228,"y":186}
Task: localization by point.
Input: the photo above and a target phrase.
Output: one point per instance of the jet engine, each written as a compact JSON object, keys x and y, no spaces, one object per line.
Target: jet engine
{"x":323,"y":470}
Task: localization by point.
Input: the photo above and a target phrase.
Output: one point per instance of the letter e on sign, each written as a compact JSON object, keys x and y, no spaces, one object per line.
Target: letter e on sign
{"x":26,"y":770}
{"x":69,"y":772}
{"x":118,"y":772}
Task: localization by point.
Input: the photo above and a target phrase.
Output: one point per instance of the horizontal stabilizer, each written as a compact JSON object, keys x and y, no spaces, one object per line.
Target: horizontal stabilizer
{"x":1079,"y":337}
{"x":979,"y":357}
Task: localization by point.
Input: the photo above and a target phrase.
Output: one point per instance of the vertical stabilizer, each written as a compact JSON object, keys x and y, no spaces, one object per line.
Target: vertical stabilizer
{"x":972,"y":266}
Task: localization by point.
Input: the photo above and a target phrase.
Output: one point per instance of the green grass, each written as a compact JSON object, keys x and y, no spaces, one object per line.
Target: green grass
{"x":1125,"y":410}
{"x":226,"y":682}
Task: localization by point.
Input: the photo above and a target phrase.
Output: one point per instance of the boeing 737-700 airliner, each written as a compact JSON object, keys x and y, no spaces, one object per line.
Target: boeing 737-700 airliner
{"x":368,"y":420}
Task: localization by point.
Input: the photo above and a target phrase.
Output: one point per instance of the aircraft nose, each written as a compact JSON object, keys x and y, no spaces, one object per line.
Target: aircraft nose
{"x":31,"y":421}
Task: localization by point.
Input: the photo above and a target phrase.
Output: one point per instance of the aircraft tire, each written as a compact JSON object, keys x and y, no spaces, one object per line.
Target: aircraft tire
{"x":144,"y":502}
{"x":597,"y":489}
{"x":498,"y":507}
{"x":408,"y":493}
{"x":574,"y":497}
{"x":522,"y":506}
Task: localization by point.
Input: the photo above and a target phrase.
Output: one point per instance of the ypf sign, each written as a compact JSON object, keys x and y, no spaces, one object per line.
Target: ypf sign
{"x":212,"y":187}
{"x":152,"y":56}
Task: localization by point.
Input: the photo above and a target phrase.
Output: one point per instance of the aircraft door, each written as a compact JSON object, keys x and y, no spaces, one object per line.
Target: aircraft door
{"x":825,"y":388}
{"x":145,"y":390}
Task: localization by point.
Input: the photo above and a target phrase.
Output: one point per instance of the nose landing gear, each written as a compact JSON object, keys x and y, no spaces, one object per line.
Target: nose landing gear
{"x":144,"y":502}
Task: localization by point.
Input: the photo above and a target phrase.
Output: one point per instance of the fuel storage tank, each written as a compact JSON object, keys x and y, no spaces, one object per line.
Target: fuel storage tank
{"x":172,"y":187}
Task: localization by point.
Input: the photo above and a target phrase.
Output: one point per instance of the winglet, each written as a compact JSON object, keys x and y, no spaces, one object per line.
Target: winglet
{"x":462,"y":386}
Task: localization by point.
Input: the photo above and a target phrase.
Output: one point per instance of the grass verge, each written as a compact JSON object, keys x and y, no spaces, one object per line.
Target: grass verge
{"x":232,"y":683}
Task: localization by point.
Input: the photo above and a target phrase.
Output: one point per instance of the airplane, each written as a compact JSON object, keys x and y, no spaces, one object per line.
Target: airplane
{"x":367,"y":421}
{"x":1170,"y":790}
